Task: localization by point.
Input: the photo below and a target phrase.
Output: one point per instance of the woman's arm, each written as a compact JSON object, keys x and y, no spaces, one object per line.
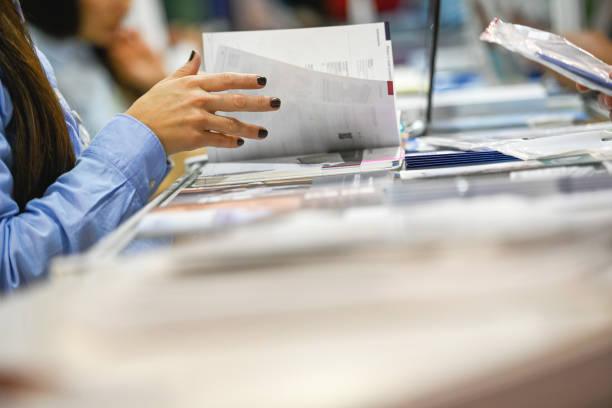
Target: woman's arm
{"x":117,"y":173}
{"x":113,"y":178}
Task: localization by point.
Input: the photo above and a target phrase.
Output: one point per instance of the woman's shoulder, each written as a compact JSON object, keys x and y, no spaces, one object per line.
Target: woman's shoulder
{"x":47,"y":67}
{"x":6,"y":106}
{"x":6,"y":113}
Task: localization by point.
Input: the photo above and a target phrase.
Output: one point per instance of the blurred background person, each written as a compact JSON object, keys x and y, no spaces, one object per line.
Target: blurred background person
{"x":226,"y":15}
{"x":101,"y":67}
{"x":597,"y":37}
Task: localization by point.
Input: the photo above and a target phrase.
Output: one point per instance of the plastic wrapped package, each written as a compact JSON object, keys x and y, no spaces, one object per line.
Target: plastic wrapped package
{"x":552,"y":51}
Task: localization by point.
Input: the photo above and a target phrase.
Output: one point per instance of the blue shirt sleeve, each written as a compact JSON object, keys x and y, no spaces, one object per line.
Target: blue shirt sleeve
{"x":113,"y":178}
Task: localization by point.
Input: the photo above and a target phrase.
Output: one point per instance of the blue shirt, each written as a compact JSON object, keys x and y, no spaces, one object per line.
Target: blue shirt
{"x":113,"y":178}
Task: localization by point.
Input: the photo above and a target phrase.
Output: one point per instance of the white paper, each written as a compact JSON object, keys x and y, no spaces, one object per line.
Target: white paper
{"x":558,"y":146}
{"x":291,"y":168}
{"x":492,"y":139}
{"x":320,"y":112}
{"x":357,"y":51}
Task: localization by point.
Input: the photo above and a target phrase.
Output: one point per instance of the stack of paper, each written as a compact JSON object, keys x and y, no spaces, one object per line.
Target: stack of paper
{"x":423,"y":306}
{"x":337,"y":95}
{"x":542,"y":144}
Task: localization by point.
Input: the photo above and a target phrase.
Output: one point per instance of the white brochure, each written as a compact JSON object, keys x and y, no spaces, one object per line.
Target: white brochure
{"x":335,"y":85}
{"x":358,"y":51}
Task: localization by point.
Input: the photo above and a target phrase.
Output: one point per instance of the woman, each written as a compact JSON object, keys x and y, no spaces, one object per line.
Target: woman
{"x":58,"y":196}
{"x":100,"y":67}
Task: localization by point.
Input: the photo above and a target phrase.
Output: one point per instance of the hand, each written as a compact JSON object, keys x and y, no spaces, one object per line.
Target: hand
{"x":605,"y":101}
{"x":134,"y":63}
{"x":181,"y":109}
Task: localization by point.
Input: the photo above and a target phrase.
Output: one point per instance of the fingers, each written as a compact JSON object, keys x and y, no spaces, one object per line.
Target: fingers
{"x":239,"y":102}
{"x":605,"y":101}
{"x":230,"y":80}
{"x":190,"y":68}
{"x":582,"y":89}
{"x":207,"y":138}
{"x":127,"y":34}
{"x":234,"y":127}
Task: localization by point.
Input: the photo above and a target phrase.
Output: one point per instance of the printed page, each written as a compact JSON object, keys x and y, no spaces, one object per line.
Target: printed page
{"x":357,"y":51}
{"x":599,"y":141}
{"x":320,"y":113}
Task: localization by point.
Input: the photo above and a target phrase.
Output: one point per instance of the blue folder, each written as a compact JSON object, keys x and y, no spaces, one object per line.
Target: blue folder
{"x":453,"y":159}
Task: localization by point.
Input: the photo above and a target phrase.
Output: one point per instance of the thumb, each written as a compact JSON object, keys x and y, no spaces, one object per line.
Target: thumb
{"x":191,"y":67}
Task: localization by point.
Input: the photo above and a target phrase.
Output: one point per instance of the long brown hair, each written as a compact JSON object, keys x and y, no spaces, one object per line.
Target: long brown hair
{"x":42,"y":149}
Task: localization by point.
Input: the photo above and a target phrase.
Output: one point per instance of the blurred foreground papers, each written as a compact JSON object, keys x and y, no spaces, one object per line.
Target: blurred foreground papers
{"x":454,"y":303}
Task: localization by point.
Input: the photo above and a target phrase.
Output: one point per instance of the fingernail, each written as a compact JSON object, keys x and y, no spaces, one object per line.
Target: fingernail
{"x":263,"y":133}
{"x":262,"y":81}
{"x":275,"y":103}
{"x":191,"y":56}
{"x":240,"y":142}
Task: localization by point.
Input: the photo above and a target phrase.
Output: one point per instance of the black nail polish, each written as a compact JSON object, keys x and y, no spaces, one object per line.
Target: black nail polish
{"x":275,"y":103}
{"x":262,"y":81}
{"x":240,"y":142}
{"x":263,"y":133}
{"x":192,"y":55}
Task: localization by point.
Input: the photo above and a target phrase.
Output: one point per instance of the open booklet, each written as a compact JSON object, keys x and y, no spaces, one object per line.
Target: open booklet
{"x":338,"y":105}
